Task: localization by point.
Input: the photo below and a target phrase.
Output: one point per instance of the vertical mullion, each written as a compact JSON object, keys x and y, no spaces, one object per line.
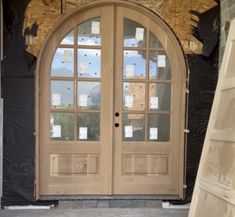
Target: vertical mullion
{"x":75,"y":81}
{"x":147,"y":88}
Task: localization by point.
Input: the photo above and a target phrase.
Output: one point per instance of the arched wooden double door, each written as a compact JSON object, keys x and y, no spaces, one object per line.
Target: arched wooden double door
{"x":111,"y":105}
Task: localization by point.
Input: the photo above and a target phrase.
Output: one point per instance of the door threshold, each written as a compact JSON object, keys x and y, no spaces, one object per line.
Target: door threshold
{"x":110,"y":197}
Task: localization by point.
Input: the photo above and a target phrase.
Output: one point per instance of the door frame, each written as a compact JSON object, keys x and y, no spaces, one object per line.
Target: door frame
{"x":182,"y":64}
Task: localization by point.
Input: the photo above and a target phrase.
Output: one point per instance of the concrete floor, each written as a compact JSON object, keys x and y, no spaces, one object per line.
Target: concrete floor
{"x":110,"y":212}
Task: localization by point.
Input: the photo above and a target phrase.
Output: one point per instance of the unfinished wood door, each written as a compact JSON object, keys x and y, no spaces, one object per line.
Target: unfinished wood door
{"x":214,"y":193}
{"x":148,"y":104}
{"x":112,"y":106}
{"x":76,"y":106}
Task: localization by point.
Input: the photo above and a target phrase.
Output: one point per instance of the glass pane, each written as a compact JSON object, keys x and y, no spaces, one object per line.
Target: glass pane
{"x":160,"y":96}
{"x":134,"y":64}
{"x":89,"y":32}
{"x":154,"y":42}
{"x":133,"y":127}
{"x":159,"y":127}
{"x":89,"y":63}
{"x":159,"y":67}
{"x":134,"y":34}
{"x":88,"y":126}
{"x":134,"y":96}
{"x":62,"y":95}
{"x":61,"y":126}
{"x":68,"y":39}
{"x":63,"y":63}
{"x":88,"y":95}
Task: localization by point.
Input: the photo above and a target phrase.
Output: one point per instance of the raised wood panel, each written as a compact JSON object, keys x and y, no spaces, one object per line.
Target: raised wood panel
{"x":228,"y":84}
{"x":231,"y":63}
{"x":220,"y":163}
{"x":223,"y":135}
{"x":222,"y":191}
{"x":144,"y":164}
{"x":211,"y":205}
{"x":224,"y":120}
{"x":71,"y":164}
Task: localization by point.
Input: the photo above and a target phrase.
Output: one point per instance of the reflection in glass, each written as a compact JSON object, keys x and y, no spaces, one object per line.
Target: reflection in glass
{"x":134,"y":64}
{"x":88,"y":95}
{"x":63,"y":63}
{"x":89,"y":32}
{"x":61,"y":126}
{"x":88,"y":126}
{"x":62,"y":94}
{"x":133,"y":127}
{"x":159,"y":127}
{"x":134,"y":34}
{"x":154,"y":42}
{"x":68,"y":39}
{"x":159,"y":67}
{"x":159,"y":96}
{"x":89,"y":63}
{"x":134,"y":96}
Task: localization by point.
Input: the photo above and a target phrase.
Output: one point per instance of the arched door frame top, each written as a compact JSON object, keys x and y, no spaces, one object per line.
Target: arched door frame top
{"x":73,"y":14}
{"x":146,"y":11}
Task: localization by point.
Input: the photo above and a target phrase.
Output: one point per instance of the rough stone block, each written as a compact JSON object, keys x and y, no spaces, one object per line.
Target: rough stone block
{"x":102,"y":204}
{"x":121,"y":204}
{"x":153,"y":203}
{"x":86,"y":204}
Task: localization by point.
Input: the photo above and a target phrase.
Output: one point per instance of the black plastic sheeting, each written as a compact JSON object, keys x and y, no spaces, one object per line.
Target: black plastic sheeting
{"x":18,"y":94}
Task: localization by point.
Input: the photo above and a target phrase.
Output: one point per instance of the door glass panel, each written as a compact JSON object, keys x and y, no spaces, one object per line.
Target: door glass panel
{"x":68,"y":39}
{"x":88,"y":126}
{"x":89,"y":32}
{"x":159,"y":127}
{"x":88,"y":95}
{"x":154,"y":42}
{"x":159,"y":96}
{"x":134,"y":64}
{"x":62,"y":94}
{"x":159,"y":67}
{"x":134,"y":34}
{"x":89,"y":63}
{"x":61,"y":126}
{"x":133,"y":127}
{"x":63,"y":63}
{"x":134,"y":96}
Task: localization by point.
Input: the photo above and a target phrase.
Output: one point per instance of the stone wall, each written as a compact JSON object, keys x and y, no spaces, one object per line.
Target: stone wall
{"x":176,"y":13}
{"x":227,"y":14}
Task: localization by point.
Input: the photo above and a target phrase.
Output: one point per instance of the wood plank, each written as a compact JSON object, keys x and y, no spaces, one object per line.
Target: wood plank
{"x":223,"y":135}
{"x":219,"y":190}
{"x":228,"y":84}
{"x":214,"y":192}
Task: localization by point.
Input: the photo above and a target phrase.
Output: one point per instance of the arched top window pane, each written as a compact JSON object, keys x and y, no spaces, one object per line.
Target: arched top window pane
{"x":154,"y":42}
{"x":159,"y":67}
{"x":63,"y":63}
{"x":89,"y":32}
{"x":134,"y":34}
{"x":68,"y":39}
